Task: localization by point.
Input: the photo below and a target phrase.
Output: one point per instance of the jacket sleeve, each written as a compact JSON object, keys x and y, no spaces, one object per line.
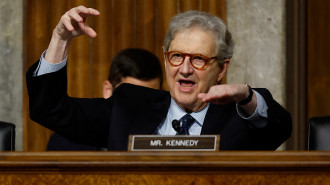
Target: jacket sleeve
{"x":279,"y":126}
{"x":79,"y":119}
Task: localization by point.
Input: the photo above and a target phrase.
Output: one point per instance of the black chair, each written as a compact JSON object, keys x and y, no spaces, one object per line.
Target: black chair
{"x":319,"y":133}
{"x":7,"y":136}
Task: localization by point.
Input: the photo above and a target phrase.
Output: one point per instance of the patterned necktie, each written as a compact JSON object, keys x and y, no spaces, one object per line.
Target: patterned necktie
{"x":187,"y":121}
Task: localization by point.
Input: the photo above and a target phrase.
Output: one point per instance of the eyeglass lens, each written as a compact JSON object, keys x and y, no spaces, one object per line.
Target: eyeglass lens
{"x":198,"y":61}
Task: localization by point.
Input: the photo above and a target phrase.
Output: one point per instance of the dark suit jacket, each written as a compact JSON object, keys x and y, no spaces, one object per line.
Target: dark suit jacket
{"x":59,"y":143}
{"x":140,"y":110}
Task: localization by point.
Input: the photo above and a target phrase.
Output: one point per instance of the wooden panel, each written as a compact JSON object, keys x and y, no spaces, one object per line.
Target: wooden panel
{"x":161,"y":178}
{"x":165,"y":168}
{"x":122,"y":24}
{"x":186,"y":5}
{"x":79,"y":66}
{"x":36,"y":38}
{"x":102,"y":45}
{"x":145,"y":29}
{"x":165,"y":11}
{"x":218,"y":7}
{"x":318,"y":57}
{"x":115,"y":28}
{"x":296,"y":64}
{"x":56,"y":8}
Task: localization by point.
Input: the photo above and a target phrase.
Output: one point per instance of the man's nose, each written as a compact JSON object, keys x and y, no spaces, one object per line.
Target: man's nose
{"x":186,"y":67}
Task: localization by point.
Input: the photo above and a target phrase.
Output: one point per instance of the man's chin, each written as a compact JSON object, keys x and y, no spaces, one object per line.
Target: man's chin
{"x":186,"y":100}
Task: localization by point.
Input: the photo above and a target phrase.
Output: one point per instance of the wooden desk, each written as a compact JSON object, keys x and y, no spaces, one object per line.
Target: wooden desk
{"x":165,"y":168}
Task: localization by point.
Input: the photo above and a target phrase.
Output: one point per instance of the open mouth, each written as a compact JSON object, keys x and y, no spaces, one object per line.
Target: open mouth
{"x":186,"y":83}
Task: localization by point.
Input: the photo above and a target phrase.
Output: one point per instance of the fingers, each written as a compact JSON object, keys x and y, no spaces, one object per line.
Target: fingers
{"x":218,"y":94}
{"x":225,"y":93}
{"x":80,"y":13}
{"x":214,"y":92}
{"x":87,"y":30}
{"x":75,"y":20}
{"x":93,"y":11}
{"x":210,"y":96}
{"x":67,"y":23}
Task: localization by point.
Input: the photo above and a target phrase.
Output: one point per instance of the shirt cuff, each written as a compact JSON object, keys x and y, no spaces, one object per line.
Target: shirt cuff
{"x":259,"y":117}
{"x":45,"y":67}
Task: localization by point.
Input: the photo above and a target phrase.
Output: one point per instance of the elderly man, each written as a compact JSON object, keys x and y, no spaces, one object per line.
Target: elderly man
{"x":197,"y":51}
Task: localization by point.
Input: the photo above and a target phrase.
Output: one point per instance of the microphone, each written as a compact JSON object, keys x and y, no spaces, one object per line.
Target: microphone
{"x":176,"y":126}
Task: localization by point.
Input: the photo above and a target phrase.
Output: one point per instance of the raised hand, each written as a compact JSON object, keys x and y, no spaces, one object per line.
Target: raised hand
{"x":72,"y":24}
{"x":226,"y":93}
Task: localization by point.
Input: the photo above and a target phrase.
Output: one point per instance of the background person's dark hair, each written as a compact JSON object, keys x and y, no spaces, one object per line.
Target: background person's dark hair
{"x":136,"y":63}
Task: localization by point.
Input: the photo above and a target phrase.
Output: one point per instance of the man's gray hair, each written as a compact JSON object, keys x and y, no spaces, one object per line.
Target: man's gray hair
{"x":223,"y":40}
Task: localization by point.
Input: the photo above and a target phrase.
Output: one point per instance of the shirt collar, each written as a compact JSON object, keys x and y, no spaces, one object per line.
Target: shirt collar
{"x":177,"y":112}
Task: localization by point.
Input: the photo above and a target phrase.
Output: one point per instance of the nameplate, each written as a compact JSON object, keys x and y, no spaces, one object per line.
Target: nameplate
{"x":173,"y":143}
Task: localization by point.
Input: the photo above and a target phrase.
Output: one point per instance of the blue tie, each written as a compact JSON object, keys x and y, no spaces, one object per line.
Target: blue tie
{"x":187,"y":121}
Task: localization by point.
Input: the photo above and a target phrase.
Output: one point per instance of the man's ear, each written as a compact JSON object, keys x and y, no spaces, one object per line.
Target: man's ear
{"x":223,"y":70}
{"x":107,"y":89}
{"x":164,"y":60}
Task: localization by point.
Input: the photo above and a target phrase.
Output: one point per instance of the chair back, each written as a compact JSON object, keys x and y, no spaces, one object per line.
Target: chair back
{"x":319,"y":133}
{"x":7,"y":136}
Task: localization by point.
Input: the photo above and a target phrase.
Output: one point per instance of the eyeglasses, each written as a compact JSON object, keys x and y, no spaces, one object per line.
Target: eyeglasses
{"x":198,"y":61}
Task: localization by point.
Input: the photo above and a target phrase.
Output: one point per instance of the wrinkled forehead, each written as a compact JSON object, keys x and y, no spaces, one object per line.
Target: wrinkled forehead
{"x":195,"y":41}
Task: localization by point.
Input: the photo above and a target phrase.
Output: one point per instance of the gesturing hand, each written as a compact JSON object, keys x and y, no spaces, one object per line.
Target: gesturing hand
{"x":73,"y":23}
{"x":226,"y":93}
